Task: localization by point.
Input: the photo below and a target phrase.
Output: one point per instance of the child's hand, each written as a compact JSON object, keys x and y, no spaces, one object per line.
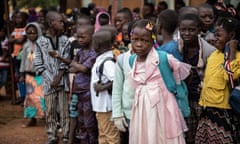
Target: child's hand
{"x":74,"y":64}
{"x":73,"y":70}
{"x":53,"y":54}
{"x":56,"y":81}
{"x":98,"y":87}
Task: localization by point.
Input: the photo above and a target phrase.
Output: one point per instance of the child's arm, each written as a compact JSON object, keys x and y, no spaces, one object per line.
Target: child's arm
{"x":54,"y":54}
{"x":18,"y":40}
{"x":57,"y":78}
{"x":108,"y":71}
{"x":233,"y":44}
{"x":76,"y":67}
{"x":101,"y":87}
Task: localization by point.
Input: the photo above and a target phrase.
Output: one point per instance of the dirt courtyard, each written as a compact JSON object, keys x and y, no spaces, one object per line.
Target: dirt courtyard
{"x":11,"y":120}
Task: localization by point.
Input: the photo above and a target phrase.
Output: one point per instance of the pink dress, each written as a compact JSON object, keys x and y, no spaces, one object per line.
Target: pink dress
{"x":156,"y":118}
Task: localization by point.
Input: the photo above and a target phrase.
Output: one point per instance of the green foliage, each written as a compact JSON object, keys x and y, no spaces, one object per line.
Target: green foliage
{"x":34,"y":3}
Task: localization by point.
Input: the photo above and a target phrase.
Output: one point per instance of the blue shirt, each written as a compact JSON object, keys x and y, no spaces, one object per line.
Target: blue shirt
{"x":171,"y":47}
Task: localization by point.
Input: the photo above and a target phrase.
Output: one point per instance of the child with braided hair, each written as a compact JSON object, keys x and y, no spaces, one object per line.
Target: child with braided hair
{"x":156,"y":117}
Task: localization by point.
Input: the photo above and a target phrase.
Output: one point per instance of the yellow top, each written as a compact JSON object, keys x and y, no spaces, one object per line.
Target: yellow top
{"x":215,"y":91}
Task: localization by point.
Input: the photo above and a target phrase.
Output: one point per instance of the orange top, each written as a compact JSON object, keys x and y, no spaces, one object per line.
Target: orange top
{"x":17,"y":33}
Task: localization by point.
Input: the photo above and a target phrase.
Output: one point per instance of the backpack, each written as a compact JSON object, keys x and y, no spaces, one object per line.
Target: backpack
{"x":179,"y":90}
{"x":101,"y":67}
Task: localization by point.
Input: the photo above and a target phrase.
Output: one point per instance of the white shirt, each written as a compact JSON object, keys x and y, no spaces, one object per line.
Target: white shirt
{"x":102,"y":102}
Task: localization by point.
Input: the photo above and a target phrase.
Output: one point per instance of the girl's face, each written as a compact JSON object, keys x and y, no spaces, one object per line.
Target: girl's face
{"x":189,"y":31}
{"x":141,"y":41}
{"x":32,"y":33}
{"x":120,"y":20}
{"x":221,"y":37}
{"x":83,"y":37}
{"x":206,"y":16}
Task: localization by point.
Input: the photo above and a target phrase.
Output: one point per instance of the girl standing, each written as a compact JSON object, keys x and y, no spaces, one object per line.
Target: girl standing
{"x":215,"y":125}
{"x":195,"y":52}
{"x":156,"y":117}
{"x":34,"y":101}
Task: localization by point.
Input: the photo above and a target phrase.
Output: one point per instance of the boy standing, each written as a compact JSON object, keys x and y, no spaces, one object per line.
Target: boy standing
{"x":101,"y":84}
{"x":55,"y":78}
{"x":81,"y":98}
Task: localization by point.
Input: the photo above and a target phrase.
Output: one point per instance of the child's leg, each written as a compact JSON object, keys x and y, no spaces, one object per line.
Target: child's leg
{"x":73,"y":117}
{"x":64,"y":113}
{"x":51,"y":116}
{"x":108,"y":133}
{"x":87,"y":120}
{"x":73,"y":124}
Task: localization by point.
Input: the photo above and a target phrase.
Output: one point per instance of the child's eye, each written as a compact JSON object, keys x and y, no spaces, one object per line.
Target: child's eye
{"x":140,"y":40}
{"x":191,"y":30}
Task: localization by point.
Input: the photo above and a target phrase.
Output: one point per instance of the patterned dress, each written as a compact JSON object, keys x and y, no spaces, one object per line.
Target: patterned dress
{"x":34,"y":105}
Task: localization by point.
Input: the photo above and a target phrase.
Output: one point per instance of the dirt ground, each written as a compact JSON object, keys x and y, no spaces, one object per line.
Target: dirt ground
{"x":11,"y":120}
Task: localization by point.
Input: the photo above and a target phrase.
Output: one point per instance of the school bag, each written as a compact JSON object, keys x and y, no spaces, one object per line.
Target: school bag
{"x":179,"y":90}
{"x":100,"y":70}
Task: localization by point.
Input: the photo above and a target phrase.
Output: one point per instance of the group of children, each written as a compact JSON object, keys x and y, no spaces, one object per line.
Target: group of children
{"x":104,"y":85}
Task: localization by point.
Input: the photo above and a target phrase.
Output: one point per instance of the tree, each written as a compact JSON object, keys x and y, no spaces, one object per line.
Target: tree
{"x":34,"y":3}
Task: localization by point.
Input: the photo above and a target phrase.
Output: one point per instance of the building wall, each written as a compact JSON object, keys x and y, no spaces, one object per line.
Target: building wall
{"x":74,"y":3}
{"x":132,"y":3}
{"x":102,"y":3}
{"x":126,"y":3}
{"x":196,"y":2}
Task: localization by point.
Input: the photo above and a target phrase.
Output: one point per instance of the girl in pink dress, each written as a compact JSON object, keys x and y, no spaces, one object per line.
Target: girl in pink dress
{"x":156,"y":117}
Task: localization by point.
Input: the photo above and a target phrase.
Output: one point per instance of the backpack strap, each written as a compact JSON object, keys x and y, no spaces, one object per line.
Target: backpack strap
{"x":131,"y":59}
{"x":179,"y":90}
{"x":166,"y":72}
{"x":100,"y":70}
{"x":102,"y":66}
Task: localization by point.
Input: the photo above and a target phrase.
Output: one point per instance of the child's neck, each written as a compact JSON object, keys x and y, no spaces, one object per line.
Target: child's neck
{"x":192,"y":45}
{"x":86,"y":47}
{"x":166,"y":37}
{"x":52,"y":32}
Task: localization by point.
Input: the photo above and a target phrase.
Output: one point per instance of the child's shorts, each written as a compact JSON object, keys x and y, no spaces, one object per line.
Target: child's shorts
{"x":74,"y":106}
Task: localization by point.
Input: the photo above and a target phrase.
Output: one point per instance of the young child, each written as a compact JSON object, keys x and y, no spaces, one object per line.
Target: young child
{"x":167,"y":28}
{"x":18,"y":37}
{"x":215,"y":125}
{"x":101,"y":84}
{"x":33,"y":104}
{"x":117,"y":48}
{"x":195,"y":52}
{"x":55,"y":78}
{"x":207,"y":17}
{"x":125,"y":34}
{"x":156,"y":117}
{"x":122,"y":92}
{"x":81,"y":66}
{"x":102,"y":18}
{"x":123,"y":16}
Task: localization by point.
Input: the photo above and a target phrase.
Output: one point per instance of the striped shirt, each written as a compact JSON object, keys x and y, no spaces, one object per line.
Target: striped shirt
{"x":47,"y":66}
